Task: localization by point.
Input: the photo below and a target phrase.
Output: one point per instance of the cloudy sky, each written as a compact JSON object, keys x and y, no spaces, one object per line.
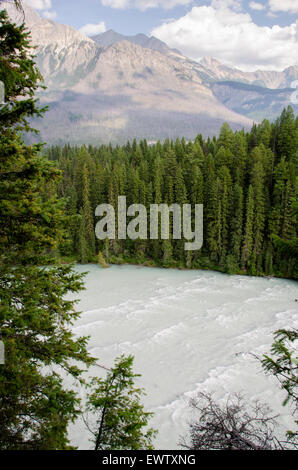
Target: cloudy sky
{"x":248,"y":34}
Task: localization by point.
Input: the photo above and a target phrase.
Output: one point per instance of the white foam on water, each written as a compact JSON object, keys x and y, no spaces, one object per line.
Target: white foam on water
{"x":189,"y":331}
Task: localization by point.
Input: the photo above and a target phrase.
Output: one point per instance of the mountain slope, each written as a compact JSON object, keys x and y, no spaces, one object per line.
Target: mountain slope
{"x":109,"y":38}
{"x":253,"y":101}
{"x":99,"y":94}
{"x":127,"y":91}
{"x":114,"y":89}
{"x":268,"y":79}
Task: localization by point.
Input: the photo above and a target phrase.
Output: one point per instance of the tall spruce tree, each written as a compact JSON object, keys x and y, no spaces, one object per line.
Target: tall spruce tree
{"x":120,"y":419}
{"x":86,"y":228}
{"x":237,"y":223}
{"x":35,"y":319}
{"x":257,"y":182}
{"x":247,"y":246}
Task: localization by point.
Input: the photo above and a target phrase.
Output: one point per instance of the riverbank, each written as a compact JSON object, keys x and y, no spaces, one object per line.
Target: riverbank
{"x":149,"y":263}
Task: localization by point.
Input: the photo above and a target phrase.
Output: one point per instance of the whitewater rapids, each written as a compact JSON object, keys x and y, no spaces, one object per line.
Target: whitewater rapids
{"x":189,"y":331}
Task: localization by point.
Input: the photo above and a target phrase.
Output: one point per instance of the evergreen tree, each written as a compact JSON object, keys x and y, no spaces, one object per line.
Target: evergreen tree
{"x":225,"y":203}
{"x":248,"y":234}
{"x":257,"y":181}
{"x":283,"y":364}
{"x":237,"y":223}
{"x":35,"y":319}
{"x":86,"y":229}
{"x":226,"y":137}
{"x":287,"y":136}
{"x":121,"y":421}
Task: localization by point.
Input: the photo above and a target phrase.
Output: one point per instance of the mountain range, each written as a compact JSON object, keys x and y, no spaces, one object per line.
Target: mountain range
{"x":111,"y":88}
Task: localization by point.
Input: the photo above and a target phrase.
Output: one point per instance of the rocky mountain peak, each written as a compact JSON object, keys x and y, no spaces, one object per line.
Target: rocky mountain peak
{"x":45,"y":32}
{"x":111,"y":37}
{"x":114,"y":87}
{"x":210,"y":62}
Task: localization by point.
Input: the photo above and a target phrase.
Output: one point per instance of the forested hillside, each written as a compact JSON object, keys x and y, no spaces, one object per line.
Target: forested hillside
{"x":247,"y":183}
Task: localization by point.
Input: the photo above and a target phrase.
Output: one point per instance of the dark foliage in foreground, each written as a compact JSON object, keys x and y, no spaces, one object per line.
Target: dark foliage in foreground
{"x":35,"y":318}
{"x":283,"y":364}
{"x":120,"y":422}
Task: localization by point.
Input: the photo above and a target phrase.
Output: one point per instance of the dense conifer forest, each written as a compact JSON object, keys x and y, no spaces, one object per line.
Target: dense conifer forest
{"x":247,"y":183}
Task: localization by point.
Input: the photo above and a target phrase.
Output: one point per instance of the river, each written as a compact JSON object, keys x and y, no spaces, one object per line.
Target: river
{"x":189,"y":331}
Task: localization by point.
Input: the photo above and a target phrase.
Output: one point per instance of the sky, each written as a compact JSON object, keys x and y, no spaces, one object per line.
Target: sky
{"x":260,"y":34}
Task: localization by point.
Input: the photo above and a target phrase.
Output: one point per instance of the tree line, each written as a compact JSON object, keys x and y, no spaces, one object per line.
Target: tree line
{"x":247,"y":183}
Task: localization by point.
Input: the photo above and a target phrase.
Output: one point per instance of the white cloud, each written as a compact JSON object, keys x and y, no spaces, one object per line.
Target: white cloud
{"x":257,"y":6}
{"x":290,"y":6}
{"x":144,"y":4}
{"x":44,"y":6}
{"x":221,"y":4}
{"x":39,"y":4}
{"x":49,"y":14}
{"x":231,"y":37}
{"x":93,"y":29}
